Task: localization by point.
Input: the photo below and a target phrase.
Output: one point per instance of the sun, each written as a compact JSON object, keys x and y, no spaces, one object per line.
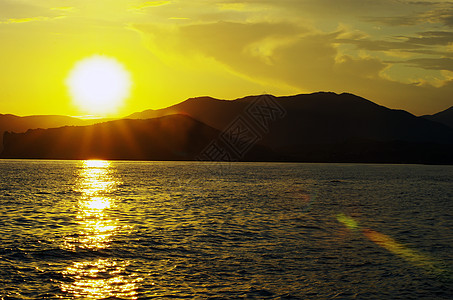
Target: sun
{"x":99,"y":85}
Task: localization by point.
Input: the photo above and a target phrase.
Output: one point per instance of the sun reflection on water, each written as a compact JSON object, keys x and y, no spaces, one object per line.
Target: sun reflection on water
{"x":97,"y":278}
{"x":96,"y":182}
{"x":100,"y":279}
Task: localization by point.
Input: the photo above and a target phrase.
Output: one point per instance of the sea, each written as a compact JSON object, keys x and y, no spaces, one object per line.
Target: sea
{"x":210,"y":230}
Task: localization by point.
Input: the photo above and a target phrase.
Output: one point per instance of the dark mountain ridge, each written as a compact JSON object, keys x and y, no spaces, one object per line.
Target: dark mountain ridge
{"x":318,"y":127}
{"x":331,"y":118}
{"x":444,"y":117}
{"x":173,"y":137}
{"x":14,"y":123}
{"x":316,"y":118}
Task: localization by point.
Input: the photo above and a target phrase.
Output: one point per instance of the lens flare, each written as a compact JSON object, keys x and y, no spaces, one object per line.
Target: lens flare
{"x":415,"y":257}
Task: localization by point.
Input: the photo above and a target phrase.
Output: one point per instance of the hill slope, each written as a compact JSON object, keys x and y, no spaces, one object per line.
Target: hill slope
{"x":325,"y":127}
{"x":445,"y":117}
{"x":315,"y":118}
{"x":319,"y":127}
{"x":21,"y":124}
{"x":174,"y":137}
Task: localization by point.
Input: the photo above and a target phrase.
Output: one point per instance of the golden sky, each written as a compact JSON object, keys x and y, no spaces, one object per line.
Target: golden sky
{"x":397,"y":53}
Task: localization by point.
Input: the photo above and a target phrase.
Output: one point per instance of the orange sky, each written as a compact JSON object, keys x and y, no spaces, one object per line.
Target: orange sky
{"x":396,"y":53}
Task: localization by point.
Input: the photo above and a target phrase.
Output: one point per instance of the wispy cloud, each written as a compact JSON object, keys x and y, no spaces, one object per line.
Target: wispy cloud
{"x":377,"y":49}
{"x":63,"y":8}
{"x":309,"y":59}
{"x":431,"y":13}
{"x":232,"y":6}
{"x":445,"y":63}
{"x":423,"y":43}
{"x":149,"y":4}
{"x":178,"y":18}
{"x":27,"y":20}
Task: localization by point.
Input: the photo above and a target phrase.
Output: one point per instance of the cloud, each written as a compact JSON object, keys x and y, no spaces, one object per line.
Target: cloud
{"x":149,"y":4}
{"x":394,"y":21}
{"x":432,"y":63}
{"x":268,"y":51}
{"x":10,"y":9}
{"x":422,"y":43}
{"x":33,"y":19}
{"x":422,"y":12}
{"x":232,"y":6}
{"x":304,"y":58}
{"x":14,"y":12}
{"x":309,"y":45}
{"x":326,"y":6}
{"x":430,"y":38}
{"x":377,"y":45}
{"x":443,"y":15}
{"x":63,"y":8}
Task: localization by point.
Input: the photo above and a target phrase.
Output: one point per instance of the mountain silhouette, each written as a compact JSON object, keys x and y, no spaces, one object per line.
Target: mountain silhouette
{"x":318,"y":127}
{"x":445,"y":117}
{"x":329,"y":127}
{"x":173,"y":137}
{"x":316,"y":118}
{"x":213,"y":112}
{"x":14,"y":123}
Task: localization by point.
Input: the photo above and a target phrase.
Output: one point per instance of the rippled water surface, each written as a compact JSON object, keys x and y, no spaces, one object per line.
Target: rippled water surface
{"x":139,"y":230}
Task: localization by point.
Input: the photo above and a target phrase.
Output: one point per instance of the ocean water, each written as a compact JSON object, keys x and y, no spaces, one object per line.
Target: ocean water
{"x":160,"y":230}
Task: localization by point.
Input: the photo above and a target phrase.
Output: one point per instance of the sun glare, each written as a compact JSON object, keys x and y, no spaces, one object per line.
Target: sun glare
{"x":99,"y":85}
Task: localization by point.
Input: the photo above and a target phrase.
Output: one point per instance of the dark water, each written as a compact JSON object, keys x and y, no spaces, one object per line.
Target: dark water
{"x":135,"y":230}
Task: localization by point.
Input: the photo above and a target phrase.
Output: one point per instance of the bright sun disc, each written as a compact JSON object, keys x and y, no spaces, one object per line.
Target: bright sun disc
{"x":99,"y":84}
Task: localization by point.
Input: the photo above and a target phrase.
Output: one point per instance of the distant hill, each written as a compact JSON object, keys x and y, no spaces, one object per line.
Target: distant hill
{"x":213,"y":112}
{"x":174,"y":137}
{"x":444,"y":117}
{"x":316,"y":118}
{"x":21,"y":124}
{"x":319,"y":127}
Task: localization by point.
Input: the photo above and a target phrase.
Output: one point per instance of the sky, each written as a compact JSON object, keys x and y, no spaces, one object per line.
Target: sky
{"x":397,"y":53}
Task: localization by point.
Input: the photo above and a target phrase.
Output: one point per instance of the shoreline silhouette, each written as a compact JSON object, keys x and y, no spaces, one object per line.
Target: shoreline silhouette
{"x":318,"y":127}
